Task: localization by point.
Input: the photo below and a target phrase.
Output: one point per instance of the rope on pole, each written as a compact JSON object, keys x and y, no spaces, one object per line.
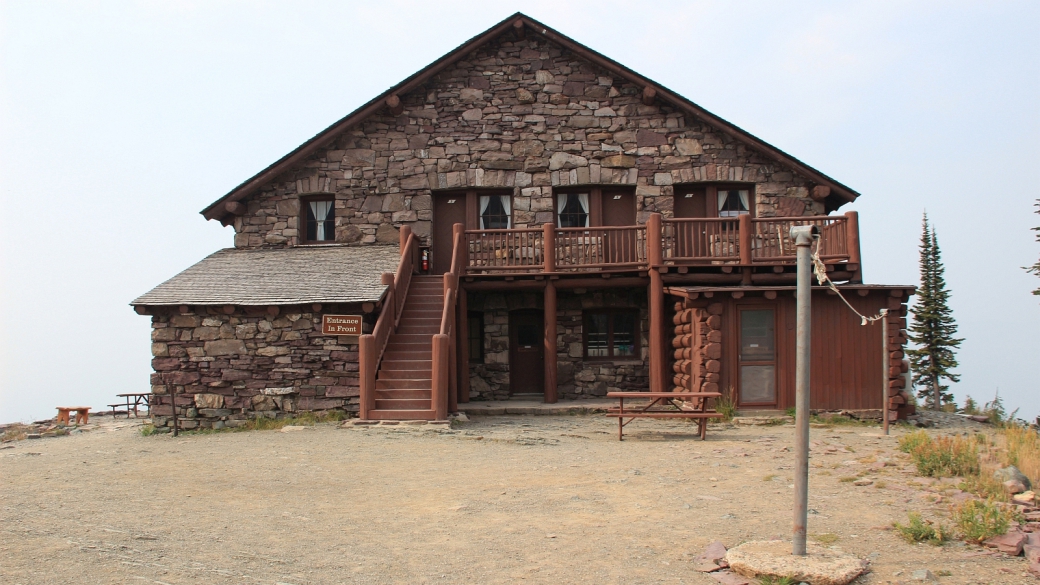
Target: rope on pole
{"x":821,"y":275}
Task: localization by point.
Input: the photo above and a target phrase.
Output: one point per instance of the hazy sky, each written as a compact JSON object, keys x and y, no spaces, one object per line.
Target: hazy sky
{"x":119,"y":121}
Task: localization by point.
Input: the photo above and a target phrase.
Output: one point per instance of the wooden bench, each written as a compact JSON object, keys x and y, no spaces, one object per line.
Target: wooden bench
{"x":689,"y":405}
{"x":82,"y":414}
{"x":132,"y":402}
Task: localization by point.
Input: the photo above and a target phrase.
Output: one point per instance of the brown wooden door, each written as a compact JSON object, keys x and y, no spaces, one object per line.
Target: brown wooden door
{"x":619,"y":209}
{"x":448,"y":209}
{"x":757,"y":356}
{"x":526,"y":352}
{"x":691,"y":204}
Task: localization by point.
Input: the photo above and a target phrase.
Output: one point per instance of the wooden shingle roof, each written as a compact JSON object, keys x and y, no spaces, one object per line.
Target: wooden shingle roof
{"x":284,"y":276}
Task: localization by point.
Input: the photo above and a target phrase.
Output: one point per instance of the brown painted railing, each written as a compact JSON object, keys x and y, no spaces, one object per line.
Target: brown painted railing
{"x":741,"y":241}
{"x":372,"y":345}
{"x":444,"y":367}
{"x":508,"y":250}
{"x":701,"y":239}
{"x":600,"y":247}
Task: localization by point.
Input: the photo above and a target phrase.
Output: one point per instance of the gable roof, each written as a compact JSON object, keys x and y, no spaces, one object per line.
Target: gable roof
{"x":283,"y":276}
{"x":215,"y":210}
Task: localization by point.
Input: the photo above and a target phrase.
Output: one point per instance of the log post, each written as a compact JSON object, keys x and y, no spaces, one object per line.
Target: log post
{"x":405,"y":233}
{"x":439,"y":386}
{"x":654,"y":244}
{"x":390,"y":304}
{"x":657,"y":351}
{"x":549,"y":245}
{"x":463,"y":319}
{"x":458,"y":232}
{"x":367,"y":374}
{"x":852,"y":243}
{"x":550,"y":343}
{"x":744,"y":223}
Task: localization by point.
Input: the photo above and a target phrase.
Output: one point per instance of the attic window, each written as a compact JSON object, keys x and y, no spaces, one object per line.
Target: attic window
{"x":319,"y":220}
{"x":733,"y":202}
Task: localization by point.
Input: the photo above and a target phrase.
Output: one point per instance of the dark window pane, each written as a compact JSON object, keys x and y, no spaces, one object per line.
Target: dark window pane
{"x":733,"y":204}
{"x":528,"y":335}
{"x":596,"y":336}
{"x":625,"y":334}
{"x":757,"y":336}
{"x":312,"y":224}
{"x":757,"y":384}
{"x":573,"y":214}
{"x":476,"y":337}
{"x":494,"y":217}
{"x":330,"y":224}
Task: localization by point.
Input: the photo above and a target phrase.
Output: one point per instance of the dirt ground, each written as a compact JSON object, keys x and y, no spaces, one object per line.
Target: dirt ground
{"x":505,"y":499}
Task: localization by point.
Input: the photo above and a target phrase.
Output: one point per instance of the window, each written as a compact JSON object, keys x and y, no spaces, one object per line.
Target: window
{"x":319,"y":219}
{"x":495,"y":212}
{"x":475,"y":336}
{"x":733,"y":202}
{"x":757,"y":356}
{"x":612,"y":333}
{"x":572,"y":210}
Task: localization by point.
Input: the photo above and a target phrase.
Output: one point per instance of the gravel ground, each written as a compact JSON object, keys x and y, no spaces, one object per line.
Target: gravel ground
{"x":539,"y":499}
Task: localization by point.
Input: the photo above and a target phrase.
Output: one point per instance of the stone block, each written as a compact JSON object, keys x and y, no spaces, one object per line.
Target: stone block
{"x":261,"y":402}
{"x":563,"y":160}
{"x":387,"y":234}
{"x":688,"y":147}
{"x":359,"y":157}
{"x":209,"y":401}
{"x":223,"y":347}
{"x":185,"y":321}
{"x":164,"y":334}
{"x":206,"y":333}
{"x":342,"y":391}
{"x":165,"y":364}
{"x":181,"y":378}
{"x":214,"y":412}
{"x":618,"y":161}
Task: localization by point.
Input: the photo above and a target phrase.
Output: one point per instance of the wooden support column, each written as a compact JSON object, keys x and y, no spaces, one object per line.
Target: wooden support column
{"x":366,"y":362}
{"x":550,"y":342}
{"x":463,"y":352}
{"x":549,"y":243}
{"x":657,"y":333}
{"x":441,"y":374}
{"x":744,"y":223}
{"x":654,"y":255}
{"x":852,"y":233}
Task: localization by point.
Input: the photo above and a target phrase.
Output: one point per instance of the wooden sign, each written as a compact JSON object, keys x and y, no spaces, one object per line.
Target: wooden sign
{"x":341,"y":324}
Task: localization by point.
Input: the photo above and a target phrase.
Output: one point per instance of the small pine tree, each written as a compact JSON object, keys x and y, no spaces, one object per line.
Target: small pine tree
{"x":970,"y":406}
{"x":995,"y":409}
{"x":1035,"y":268}
{"x":933,"y":327}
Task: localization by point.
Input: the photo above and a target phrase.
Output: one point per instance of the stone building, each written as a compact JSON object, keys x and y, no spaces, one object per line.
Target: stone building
{"x":522,"y":196}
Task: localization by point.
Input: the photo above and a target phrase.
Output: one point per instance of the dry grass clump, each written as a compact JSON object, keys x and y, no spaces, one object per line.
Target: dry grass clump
{"x":1022,"y":449}
{"x":942,"y":456}
{"x":978,"y":520}
{"x":917,"y":529}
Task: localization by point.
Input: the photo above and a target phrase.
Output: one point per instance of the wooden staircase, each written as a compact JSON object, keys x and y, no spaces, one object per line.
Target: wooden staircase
{"x":404,"y":380}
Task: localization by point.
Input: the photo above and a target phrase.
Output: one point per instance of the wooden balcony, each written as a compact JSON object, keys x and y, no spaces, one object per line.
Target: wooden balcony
{"x":729,"y":243}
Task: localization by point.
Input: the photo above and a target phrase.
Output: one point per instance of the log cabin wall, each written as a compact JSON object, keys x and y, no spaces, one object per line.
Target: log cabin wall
{"x":577,"y":377}
{"x":846,"y":356}
{"x":525,"y":115}
{"x":224,"y":369}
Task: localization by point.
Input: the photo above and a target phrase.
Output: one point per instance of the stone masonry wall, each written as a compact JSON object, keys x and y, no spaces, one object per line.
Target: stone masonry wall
{"x":576,"y":377}
{"x":224,"y":368}
{"x":521,"y":114}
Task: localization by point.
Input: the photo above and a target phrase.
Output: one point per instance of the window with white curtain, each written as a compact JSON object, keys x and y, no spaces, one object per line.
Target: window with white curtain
{"x":320,"y":220}
{"x":733,"y":202}
{"x":495,"y":212}
{"x":572,"y":210}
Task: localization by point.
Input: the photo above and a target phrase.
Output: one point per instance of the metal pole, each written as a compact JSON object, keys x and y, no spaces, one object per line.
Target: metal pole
{"x":884,"y":368}
{"x":803,"y":239}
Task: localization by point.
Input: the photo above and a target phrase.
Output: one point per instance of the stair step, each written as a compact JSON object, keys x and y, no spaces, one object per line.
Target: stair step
{"x":423,"y":353}
{"x":410,"y":338}
{"x":402,"y":393}
{"x":406,"y":364}
{"x":402,"y":403}
{"x":404,"y":384}
{"x":385,"y":374}
{"x":417,"y":414}
{"x":419,"y":329}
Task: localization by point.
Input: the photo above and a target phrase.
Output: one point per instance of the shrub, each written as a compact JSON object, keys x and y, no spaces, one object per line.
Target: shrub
{"x":147,"y":430}
{"x":978,"y":520}
{"x":726,"y":406}
{"x":1023,"y":449}
{"x":985,"y":486}
{"x":942,"y":456}
{"x":917,"y":529}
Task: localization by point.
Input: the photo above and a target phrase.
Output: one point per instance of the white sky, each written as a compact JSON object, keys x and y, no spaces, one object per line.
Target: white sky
{"x":119,"y":121}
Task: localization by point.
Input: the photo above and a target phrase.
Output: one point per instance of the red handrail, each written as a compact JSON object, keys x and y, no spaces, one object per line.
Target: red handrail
{"x":371,"y":346}
{"x":444,"y":369}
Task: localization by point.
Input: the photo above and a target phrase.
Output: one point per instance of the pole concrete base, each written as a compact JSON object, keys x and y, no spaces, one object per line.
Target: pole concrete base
{"x":820,"y":566}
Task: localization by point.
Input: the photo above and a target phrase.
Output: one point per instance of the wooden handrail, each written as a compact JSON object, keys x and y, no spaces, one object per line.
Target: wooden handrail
{"x":371,"y":346}
{"x":444,"y":370}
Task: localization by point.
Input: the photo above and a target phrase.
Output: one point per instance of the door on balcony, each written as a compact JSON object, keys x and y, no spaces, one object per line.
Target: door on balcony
{"x":757,"y":356}
{"x":619,"y":209}
{"x":448,"y":209}
{"x":526,"y":355}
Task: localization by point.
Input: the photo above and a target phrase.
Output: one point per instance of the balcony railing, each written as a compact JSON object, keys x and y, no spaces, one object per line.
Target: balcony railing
{"x":739,"y":241}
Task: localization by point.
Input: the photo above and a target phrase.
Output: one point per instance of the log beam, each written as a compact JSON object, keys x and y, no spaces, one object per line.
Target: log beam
{"x":519,"y":29}
{"x":648,"y":97}
{"x":394,"y":103}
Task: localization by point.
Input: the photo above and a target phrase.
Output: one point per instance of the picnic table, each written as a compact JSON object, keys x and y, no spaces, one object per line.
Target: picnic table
{"x":689,"y":405}
{"x":132,"y":401}
{"x":82,"y":414}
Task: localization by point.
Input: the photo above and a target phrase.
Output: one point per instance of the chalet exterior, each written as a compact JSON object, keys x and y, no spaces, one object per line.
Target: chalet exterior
{"x":524,"y":217}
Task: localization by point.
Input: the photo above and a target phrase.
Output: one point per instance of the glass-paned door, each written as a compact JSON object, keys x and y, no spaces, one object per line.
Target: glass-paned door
{"x":757,"y":356}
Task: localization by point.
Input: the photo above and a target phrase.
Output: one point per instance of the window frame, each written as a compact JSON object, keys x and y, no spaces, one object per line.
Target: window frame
{"x":507,"y":208}
{"x":637,"y":341}
{"x":710,"y":193}
{"x":477,"y":358}
{"x":305,"y":201}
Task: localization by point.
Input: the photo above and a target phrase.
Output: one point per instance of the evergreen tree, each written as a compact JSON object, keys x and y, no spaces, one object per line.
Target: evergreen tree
{"x":933,"y":327}
{"x":1035,"y":268}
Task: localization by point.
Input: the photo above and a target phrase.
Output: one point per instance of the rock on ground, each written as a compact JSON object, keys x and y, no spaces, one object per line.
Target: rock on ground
{"x":821,"y":566}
